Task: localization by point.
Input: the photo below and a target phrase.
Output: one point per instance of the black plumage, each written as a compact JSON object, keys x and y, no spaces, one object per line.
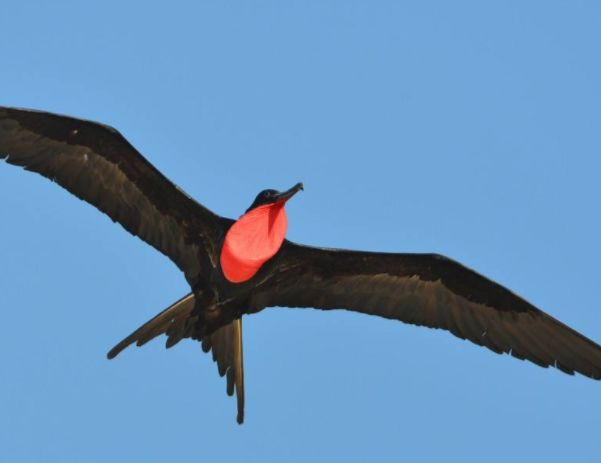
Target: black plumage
{"x":98,"y":165}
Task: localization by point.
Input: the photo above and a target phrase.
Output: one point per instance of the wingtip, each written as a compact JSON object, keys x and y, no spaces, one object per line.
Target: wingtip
{"x":116,"y":350}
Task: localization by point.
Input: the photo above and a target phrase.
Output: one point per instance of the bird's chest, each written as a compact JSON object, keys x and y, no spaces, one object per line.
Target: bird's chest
{"x":251,"y":241}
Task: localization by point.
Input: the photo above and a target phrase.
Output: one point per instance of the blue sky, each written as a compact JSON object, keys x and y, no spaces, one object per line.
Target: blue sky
{"x":466,"y":128}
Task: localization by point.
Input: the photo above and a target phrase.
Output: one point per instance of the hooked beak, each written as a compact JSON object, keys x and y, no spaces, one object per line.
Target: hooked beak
{"x":286,"y":195}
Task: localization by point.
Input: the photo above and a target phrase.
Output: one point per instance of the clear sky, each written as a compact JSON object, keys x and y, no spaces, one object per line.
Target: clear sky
{"x":466,"y":128}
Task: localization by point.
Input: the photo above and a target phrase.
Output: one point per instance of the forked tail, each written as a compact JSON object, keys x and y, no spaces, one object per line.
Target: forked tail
{"x":179,"y":321}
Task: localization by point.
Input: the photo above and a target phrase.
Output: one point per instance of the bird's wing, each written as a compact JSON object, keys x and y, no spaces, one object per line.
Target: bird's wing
{"x":97,"y":164}
{"x":427,"y":290}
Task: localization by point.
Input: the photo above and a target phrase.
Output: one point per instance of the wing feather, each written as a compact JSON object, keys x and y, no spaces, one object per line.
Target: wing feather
{"x":427,"y":290}
{"x":98,"y":165}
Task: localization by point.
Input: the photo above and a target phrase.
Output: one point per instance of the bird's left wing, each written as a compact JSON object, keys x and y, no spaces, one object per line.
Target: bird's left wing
{"x":97,"y":164}
{"x":427,"y":290}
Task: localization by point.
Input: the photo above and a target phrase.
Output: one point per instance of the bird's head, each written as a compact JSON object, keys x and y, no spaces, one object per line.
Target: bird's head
{"x":274,"y":197}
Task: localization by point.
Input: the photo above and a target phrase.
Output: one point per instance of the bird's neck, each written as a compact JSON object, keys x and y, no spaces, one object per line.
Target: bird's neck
{"x":252,"y":240}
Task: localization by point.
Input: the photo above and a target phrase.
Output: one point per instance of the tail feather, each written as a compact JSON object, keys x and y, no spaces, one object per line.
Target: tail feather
{"x":226,"y":344}
{"x":238,"y":368}
{"x":174,"y":314}
{"x":178,"y":321}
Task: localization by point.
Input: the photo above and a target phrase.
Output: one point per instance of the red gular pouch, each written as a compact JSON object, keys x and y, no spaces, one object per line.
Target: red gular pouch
{"x":252,"y":240}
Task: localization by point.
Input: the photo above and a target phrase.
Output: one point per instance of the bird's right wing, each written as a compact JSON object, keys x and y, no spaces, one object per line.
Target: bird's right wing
{"x":427,"y":290}
{"x":97,"y":164}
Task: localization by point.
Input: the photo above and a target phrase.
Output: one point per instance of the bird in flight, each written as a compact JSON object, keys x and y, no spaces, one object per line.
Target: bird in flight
{"x":238,"y":267}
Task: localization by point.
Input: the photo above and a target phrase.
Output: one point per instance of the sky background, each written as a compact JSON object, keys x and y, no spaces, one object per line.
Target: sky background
{"x":466,"y":128}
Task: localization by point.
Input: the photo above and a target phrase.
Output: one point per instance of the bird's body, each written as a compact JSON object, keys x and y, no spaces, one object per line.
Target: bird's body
{"x":237,"y":267}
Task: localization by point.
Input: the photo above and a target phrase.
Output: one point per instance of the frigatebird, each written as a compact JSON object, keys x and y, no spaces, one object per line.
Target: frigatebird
{"x":238,"y":267}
